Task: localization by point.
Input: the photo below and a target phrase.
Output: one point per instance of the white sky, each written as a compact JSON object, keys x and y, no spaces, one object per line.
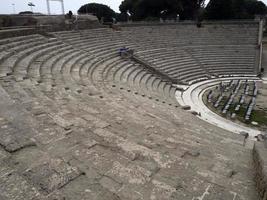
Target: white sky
{"x":40,"y":5}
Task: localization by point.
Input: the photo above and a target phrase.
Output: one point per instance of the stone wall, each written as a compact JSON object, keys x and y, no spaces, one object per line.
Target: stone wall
{"x":157,"y":23}
{"x":260,"y":168}
{"x":17,"y":25}
{"x":56,"y":22}
{"x":16,"y":20}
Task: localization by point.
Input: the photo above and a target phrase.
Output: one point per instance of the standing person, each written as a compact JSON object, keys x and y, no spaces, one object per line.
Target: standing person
{"x":70,"y":14}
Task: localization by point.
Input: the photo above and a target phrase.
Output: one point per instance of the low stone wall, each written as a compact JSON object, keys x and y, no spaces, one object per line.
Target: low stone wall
{"x":158,"y":23}
{"x":17,"y":32}
{"x":260,"y":168}
{"x":16,"y":25}
{"x":17,"y":20}
{"x":30,"y":20}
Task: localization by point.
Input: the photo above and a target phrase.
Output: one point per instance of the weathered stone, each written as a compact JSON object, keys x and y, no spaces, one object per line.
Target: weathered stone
{"x":186,"y":107}
{"x":93,"y":141}
{"x":12,"y":139}
{"x":111,"y":184}
{"x":51,"y":175}
{"x":191,"y":154}
{"x":13,"y":186}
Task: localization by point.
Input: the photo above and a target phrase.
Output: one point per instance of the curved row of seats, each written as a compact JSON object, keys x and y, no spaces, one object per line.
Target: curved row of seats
{"x":176,"y":63}
{"x":101,"y":127}
{"x":194,"y":53}
{"x":236,"y":57}
{"x":184,"y":53}
{"x":138,"y":74}
{"x":182,"y":35}
{"x":200,"y":62}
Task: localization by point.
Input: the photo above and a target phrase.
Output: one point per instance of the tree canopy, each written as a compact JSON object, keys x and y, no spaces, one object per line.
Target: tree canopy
{"x":186,"y":9}
{"x":26,"y":13}
{"x":142,"y":9}
{"x":99,"y":10}
{"x":234,"y":9}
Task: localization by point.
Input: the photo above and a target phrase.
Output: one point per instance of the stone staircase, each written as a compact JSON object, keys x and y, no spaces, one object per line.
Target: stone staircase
{"x":79,"y":122}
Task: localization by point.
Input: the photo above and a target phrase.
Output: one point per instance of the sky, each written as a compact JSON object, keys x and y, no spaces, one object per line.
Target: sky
{"x":11,"y":6}
{"x":40,"y":5}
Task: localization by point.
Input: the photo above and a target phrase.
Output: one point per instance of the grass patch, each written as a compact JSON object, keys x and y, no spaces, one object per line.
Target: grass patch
{"x":259,"y":116}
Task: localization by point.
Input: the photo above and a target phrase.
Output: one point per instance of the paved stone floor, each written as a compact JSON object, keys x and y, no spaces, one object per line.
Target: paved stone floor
{"x":72,"y":150}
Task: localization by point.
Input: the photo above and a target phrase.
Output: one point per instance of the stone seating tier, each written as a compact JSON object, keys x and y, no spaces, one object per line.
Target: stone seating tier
{"x":78,"y":121}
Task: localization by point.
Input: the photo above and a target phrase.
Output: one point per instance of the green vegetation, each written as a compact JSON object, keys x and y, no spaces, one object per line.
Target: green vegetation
{"x":101,"y":11}
{"x":142,"y":9}
{"x":139,"y":10}
{"x":241,"y":113}
{"x":26,"y":13}
{"x":232,"y":108}
{"x":259,"y":116}
{"x":234,"y":9}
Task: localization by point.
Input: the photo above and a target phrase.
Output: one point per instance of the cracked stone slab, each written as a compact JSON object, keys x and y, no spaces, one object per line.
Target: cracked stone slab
{"x":134,"y":192}
{"x":15,"y":134}
{"x":98,"y":157}
{"x":51,"y":174}
{"x":133,"y":150}
{"x":130,"y":173}
{"x":82,"y":188}
{"x":66,"y":144}
{"x":181,"y":177}
{"x":111,"y":184}
{"x":13,"y":139}
{"x":217,"y":192}
{"x":61,"y":121}
{"x":95,"y":121}
{"x":13,"y":186}
{"x":163,"y":191}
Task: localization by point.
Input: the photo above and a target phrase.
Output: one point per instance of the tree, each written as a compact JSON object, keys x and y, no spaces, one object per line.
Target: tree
{"x":239,"y":10}
{"x":101,"y":11}
{"x":234,"y":9}
{"x":190,"y":9}
{"x":255,"y":7}
{"x":122,"y":17}
{"x":26,"y":13}
{"x":219,"y":9}
{"x":142,"y":9}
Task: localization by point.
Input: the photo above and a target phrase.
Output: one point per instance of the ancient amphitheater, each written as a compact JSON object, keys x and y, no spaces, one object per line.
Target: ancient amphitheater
{"x":80,"y":122}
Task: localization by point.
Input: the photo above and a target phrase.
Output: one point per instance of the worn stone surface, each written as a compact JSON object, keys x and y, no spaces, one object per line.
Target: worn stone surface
{"x":13,"y":139}
{"x":97,"y":127}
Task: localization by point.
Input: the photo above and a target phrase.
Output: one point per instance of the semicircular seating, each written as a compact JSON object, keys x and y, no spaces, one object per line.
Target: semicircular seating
{"x":79,"y":122}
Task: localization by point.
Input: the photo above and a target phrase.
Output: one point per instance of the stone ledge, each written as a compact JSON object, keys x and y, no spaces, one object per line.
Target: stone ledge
{"x":260,"y":168}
